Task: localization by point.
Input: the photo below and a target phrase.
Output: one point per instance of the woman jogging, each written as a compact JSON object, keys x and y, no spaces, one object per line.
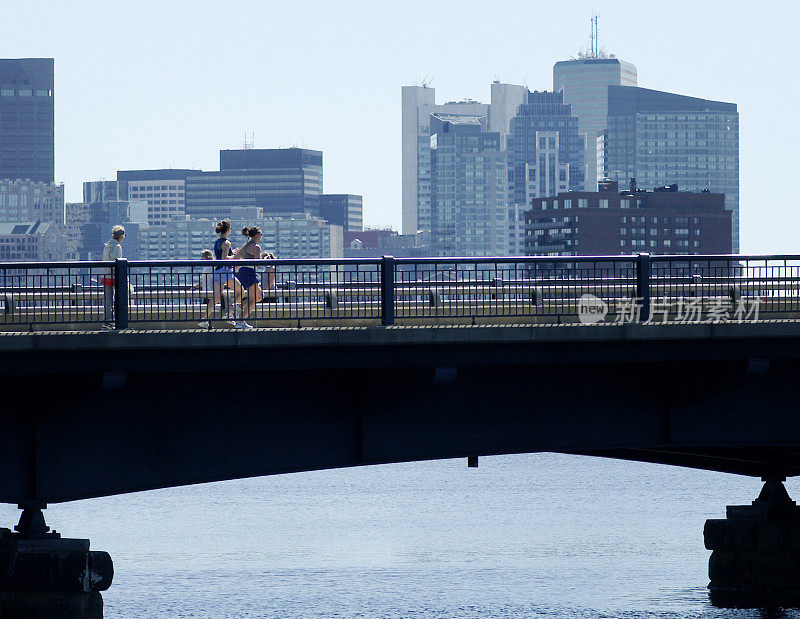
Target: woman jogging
{"x":247,"y":276}
{"x":223,"y":277}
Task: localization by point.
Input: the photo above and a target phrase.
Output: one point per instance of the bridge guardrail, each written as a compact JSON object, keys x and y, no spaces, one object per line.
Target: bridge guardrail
{"x":389,"y":290}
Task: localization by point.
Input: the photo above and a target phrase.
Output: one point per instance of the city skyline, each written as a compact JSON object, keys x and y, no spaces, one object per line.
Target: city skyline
{"x":168,"y":102}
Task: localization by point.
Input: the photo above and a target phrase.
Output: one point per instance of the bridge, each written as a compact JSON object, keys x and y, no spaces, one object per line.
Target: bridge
{"x":682,"y":360}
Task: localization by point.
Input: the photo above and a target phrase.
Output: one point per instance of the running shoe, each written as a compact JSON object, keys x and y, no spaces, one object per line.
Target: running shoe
{"x":241,"y":324}
{"x":203,"y":324}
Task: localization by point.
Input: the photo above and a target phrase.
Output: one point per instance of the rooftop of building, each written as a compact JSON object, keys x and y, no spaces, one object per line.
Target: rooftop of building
{"x":27,"y":71}
{"x":460,"y":119}
{"x":25,"y":227}
{"x":154,"y":175}
{"x":632,"y":99}
{"x":611,"y":59}
{"x":268,"y":158}
{"x":369,"y":238}
{"x":612,"y":187}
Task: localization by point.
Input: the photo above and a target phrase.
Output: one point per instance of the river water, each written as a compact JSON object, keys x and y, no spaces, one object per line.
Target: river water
{"x":538,"y":535}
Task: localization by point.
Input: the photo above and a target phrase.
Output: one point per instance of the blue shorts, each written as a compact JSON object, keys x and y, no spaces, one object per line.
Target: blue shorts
{"x":247,"y":277}
{"x":222,"y":275}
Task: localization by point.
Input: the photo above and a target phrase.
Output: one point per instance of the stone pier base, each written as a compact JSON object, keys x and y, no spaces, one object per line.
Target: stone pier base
{"x":51,"y":577}
{"x":755,"y":559}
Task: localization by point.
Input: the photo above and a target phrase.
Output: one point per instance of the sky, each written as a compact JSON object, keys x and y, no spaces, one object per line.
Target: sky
{"x":144,"y":84}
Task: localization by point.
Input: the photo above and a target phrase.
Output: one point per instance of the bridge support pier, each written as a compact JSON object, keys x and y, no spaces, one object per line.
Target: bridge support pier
{"x":755,"y":559}
{"x":45,"y":575}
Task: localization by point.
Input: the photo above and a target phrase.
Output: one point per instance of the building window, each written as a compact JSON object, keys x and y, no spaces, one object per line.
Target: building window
{"x":624,"y":203}
{"x":583,"y":203}
{"x":567,"y":203}
{"x":603,"y":203}
{"x":622,"y":242}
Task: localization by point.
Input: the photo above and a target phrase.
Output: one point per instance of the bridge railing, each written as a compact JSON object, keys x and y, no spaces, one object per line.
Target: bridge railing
{"x":139,"y":294}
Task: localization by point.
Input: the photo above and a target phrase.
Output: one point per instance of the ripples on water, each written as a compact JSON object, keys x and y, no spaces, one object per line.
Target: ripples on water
{"x":522,"y":536}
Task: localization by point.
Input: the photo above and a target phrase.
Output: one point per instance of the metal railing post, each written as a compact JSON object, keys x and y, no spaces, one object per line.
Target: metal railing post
{"x":387,"y":290}
{"x":643,"y":286}
{"x":121,"y":293}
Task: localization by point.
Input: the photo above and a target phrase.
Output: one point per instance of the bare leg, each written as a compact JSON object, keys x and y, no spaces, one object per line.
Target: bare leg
{"x":217,"y":296}
{"x":254,"y":295}
{"x":237,"y":289}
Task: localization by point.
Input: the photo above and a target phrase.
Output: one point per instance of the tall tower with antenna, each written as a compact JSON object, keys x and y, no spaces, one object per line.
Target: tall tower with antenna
{"x":584,"y":81}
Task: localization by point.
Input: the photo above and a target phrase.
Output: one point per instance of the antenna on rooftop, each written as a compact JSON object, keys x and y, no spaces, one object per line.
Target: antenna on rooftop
{"x":426,"y":81}
{"x":251,"y":144}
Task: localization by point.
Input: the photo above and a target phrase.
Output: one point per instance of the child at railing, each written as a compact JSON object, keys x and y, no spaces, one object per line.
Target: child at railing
{"x":206,"y":283}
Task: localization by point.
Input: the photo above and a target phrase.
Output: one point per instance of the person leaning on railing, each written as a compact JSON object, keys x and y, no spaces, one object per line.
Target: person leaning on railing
{"x":111,"y":251}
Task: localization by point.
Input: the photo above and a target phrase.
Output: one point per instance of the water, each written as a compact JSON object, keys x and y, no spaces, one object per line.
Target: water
{"x":538,"y":535}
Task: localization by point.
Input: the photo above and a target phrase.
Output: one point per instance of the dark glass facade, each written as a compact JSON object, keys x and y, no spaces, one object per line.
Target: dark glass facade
{"x":27,"y":147}
{"x":342,"y":209}
{"x":660,"y":138}
{"x":533,"y":134}
{"x":281,"y":181}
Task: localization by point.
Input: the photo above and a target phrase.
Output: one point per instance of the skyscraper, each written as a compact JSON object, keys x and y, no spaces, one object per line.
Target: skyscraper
{"x":545,"y":149}
{"x":660,"y":138}
{"x":469,"y":185}
{"x":280,"y":181}
{"x":418,"y":103}
{"x":585,"y":82}
{"x":27,"y":149}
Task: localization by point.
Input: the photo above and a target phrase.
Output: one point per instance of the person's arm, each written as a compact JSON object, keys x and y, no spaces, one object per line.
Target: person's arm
{"x":255,"y":252}
{"x":226,"y":250}
{"x":116,"y":252}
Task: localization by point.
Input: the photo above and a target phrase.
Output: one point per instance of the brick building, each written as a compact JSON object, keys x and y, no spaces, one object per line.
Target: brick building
{"x":609,"y":221}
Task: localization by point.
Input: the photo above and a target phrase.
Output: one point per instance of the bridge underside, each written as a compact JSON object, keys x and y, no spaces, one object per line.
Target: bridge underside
{"x":99,"y":421}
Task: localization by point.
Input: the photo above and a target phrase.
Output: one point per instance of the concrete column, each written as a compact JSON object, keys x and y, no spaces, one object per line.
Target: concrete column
{"x":755,"y":559}
{"x":45,"y":575}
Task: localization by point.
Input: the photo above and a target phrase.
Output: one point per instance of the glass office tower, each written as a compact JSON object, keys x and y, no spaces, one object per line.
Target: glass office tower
{"x":545,"y":149}
{"x":280,"y":181}
{"x":469,"y":206}
{"x":27,"y":147}
{"x":660,"y":138}
{"x":585,"y":82}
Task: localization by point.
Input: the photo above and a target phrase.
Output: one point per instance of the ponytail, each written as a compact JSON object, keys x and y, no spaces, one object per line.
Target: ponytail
{"x":223,"y":226}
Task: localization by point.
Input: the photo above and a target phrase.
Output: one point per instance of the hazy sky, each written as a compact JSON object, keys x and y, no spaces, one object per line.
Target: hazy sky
{"x":167,"y":84}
